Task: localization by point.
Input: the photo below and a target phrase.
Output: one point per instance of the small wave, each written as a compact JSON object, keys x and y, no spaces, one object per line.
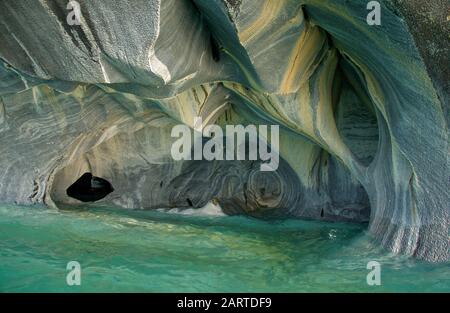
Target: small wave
{"x":210,"y":209}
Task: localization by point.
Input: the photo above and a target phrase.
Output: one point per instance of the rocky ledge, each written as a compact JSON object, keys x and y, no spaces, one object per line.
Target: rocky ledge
{"x":363,"y":110}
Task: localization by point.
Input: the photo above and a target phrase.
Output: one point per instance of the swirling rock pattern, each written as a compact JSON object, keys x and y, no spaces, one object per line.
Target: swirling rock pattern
{"x":363,"y":110}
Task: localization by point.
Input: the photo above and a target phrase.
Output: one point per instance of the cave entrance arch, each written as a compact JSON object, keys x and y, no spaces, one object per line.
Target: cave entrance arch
{"x":89,"y":188}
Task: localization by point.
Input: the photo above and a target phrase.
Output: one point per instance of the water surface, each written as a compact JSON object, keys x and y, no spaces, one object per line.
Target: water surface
{"x":124,"y":251}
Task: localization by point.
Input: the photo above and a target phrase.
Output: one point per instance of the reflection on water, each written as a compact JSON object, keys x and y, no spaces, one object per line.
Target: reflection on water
{"x":155,"y":251}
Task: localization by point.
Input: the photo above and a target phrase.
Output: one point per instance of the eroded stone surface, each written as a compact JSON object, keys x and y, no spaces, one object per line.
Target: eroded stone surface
{"x":363,"y":110}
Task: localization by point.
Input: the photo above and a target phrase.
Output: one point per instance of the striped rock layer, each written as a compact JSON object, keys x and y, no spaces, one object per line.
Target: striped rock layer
{"x":363,"y":110}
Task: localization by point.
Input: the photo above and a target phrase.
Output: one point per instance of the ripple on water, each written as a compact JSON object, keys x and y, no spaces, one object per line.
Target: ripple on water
{"x":123,"y":250}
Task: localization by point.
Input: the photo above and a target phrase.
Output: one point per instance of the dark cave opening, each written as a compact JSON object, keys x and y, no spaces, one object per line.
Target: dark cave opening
{"x":354,"y":112}
{"x":89,"y":188}
{"x":357,"y":124}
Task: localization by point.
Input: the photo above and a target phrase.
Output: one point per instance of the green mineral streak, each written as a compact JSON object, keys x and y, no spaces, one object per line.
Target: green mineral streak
{"x":153,"y":251}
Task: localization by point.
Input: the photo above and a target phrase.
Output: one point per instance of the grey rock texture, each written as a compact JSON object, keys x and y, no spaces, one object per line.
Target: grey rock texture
{"x":363,"y":110}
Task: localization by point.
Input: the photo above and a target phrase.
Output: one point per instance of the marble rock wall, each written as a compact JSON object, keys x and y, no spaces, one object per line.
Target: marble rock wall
{"x":363,"y":110}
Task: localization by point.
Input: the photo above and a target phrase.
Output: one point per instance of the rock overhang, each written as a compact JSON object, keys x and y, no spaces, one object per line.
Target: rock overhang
{"x":362,"y":110}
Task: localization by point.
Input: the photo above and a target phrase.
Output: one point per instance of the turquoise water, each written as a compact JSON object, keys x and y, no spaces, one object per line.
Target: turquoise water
{"x":153,"y":251}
